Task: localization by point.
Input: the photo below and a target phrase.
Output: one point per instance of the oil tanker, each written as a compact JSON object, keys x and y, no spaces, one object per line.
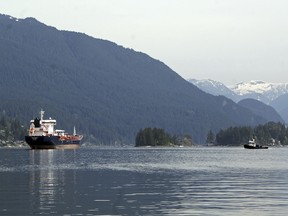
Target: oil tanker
{"x":43,"y":135}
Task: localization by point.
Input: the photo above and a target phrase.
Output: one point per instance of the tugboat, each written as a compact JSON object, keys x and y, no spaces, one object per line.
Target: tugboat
{"x":42,"y":135}
{"x":252,"y":145}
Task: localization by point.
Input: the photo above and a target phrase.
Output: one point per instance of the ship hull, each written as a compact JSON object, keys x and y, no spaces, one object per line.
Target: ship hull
{"x":247,"y":146}
{"x":51,"y":142}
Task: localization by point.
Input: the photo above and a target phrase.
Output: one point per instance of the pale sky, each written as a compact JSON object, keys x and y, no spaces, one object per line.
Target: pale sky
{"x":225,"y":40}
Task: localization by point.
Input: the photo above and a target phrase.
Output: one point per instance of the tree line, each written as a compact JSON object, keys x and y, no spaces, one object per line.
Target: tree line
{"x":158,"y":137}
{"x":11,"y":131}
{"x":270,"y":133}
{"x":267,"y":134}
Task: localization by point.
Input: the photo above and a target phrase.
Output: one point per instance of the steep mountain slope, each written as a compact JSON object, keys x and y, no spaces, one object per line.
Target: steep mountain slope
{"x":261,"y":109}
{"x":107,"y":91}
{"x":281,"y":105}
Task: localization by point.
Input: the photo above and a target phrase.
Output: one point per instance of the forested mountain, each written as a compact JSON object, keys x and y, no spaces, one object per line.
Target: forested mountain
{"x":107,"y":91}
{"x":280,"y":104}
{"x":261,"y":109}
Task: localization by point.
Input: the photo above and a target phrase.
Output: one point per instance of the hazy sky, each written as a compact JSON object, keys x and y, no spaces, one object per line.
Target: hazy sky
{"x":225,"y":40}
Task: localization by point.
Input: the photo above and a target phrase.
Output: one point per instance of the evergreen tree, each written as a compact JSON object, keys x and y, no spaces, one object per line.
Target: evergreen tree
{"x":210,"y":137}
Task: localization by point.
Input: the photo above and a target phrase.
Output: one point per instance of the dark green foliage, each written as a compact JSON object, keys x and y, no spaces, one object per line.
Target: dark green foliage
{"x":234,"y":136}
{"x":210,"y":137}
{"x":264,"y":134}
{"x":11,"y":131}
{"x":271,"y":131}
{"x":153,"y":137}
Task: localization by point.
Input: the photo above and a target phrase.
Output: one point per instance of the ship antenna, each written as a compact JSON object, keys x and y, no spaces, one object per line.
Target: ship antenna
{"x":42,"y":114}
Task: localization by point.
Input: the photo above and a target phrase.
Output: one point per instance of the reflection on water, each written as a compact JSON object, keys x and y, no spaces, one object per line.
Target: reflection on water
{"x":201,"y":181}
{"x":46,"y":182}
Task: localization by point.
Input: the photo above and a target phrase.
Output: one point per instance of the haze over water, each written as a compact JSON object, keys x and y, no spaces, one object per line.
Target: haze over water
{"x":144,"y":181}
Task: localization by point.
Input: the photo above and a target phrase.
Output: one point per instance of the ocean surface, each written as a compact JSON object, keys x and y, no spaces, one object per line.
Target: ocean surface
{"x":144,"y":181}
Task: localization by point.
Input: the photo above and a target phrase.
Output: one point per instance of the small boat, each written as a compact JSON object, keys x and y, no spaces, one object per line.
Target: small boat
{"x":252,"y":145}
{"x":42,"y":135}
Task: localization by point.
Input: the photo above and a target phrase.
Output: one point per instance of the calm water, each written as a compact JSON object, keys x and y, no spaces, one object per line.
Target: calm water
{"x":147,"y":181}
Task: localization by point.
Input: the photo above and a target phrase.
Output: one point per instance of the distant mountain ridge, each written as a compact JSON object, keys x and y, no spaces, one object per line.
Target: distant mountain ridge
{"x":261,"y":109}
{"x":107,"y":91}
{"x":265,"y":90}
{"x":215,"y":88}
{"x":269,"y":93}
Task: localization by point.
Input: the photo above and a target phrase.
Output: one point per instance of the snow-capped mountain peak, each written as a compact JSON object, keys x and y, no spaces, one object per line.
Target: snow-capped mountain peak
{"x":274,"y":94}
{"x":256,"y":89}
{"x":214,"y":87}
{"x":269,"y":90}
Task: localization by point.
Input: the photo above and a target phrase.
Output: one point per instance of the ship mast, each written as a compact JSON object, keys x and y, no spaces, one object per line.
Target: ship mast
{"x":74,"y":131}
{"x":41,"y":114}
